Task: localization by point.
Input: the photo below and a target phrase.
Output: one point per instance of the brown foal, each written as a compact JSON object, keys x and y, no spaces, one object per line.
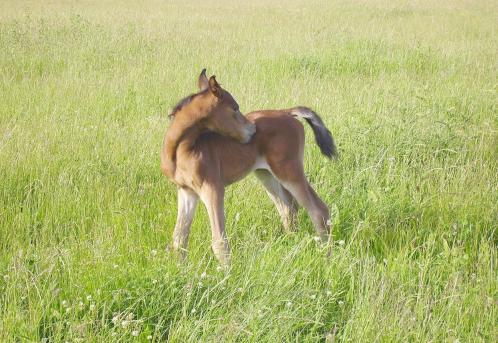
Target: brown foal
{"x":210,"y":145}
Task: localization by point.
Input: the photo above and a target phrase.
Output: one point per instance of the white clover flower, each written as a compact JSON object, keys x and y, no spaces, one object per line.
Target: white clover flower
{"x":240,"y":289}
{"x":135,"y":333}
{"x":289,"y":304}
{"x":92,"y":307}
{"x":313,"y":296}
{"x":219,"y":268}
{"x":68,"y":309}
{"x":154,"y":281}
{"x":341,"y":242}
{"x":81,"y":304}
{"x":203,"y":275}
{"x":340,"y":302}
{"x":115,"y":319}
{"x":149,"y":337}
{"x":64,"y":303}
{"x":125,"y":323}
{"x":115,"y":266}
{"x":329,"y":293}
{"x":316,"y":238}
{"x":88,"y":297}
{"x":153,"y":252}
{"x":385,"y":261}
{"x":237,"y":216}
{"x":193,"y":311}
{"x":213,"y":302}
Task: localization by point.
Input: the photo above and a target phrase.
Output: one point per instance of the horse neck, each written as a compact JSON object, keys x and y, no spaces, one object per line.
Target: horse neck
{"x":182,"y":134}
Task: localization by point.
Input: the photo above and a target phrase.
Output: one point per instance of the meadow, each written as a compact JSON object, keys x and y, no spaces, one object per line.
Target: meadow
{"x":409,"y":92}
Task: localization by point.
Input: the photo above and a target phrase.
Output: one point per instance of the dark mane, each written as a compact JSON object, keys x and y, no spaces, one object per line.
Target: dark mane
{"x":183,"y":102}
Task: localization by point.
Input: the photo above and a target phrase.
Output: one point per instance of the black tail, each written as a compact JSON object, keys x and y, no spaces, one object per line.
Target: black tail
{"x":322,"y":135}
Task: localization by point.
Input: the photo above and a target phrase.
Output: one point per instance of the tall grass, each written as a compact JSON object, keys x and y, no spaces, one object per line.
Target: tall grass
{"x":409,"y":91}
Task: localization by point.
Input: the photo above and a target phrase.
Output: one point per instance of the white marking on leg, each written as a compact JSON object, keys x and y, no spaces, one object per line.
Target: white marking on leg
{"x":187,"y":204}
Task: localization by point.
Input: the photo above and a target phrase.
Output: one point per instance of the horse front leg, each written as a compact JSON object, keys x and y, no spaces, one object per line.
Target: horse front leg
{"x":213,"y":198}
{"x":187,"y":204}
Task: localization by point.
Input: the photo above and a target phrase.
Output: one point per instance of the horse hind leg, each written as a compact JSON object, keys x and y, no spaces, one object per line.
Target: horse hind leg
{"x":284,"y":201}
{"x":294,"y":180}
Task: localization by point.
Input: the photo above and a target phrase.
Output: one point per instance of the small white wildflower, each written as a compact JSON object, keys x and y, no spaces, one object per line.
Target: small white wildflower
{"x":153,"y":252}
{"x":149,"y":337}
{"x":135,"y":333}
{"x":88,"y":297}
{"x":64,"y":303}
{"x":465,"y":257}
{"x":237,"y":216}
{"x":316,"y":238}
{"x":240,"y":289}
{"x":115,"y":266}
{"x":313,"y":296}
{"x":329,"y":293}
{"x":92,"y":307}
{"x":203,"y":275}
{"x":329,"y":222}
{"x":125,"y":323}
{"x":154,"y":281}
{"x":68,"y":309}
{"x":130,"y":316}
{"x":115,"y":319}
{"x":81,"y":304}
{"x":219,"y":268}
{"x":6,"y":277}
{"x":340,"y":302}
{"x":193,"y":310}
{"x":200,"y":284}
{"x":341,"y":242}
{"x":213,"y":302}
{"x":114,"y":333}
{"x":385,"y":261}
{"x":289,"y":304}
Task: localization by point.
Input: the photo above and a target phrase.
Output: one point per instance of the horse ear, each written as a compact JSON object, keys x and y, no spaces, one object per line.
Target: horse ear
{"x":203,"y":82}
{"x":214,"y":87}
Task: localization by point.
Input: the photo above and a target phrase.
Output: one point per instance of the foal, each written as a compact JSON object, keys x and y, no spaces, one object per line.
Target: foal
{"x":210,"y":145}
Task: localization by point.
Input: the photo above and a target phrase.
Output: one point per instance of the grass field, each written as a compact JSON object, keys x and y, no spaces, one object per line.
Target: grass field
{"x":409,"y":91}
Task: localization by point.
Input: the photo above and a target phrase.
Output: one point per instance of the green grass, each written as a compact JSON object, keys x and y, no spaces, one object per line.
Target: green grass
{"x":409,"y":91}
